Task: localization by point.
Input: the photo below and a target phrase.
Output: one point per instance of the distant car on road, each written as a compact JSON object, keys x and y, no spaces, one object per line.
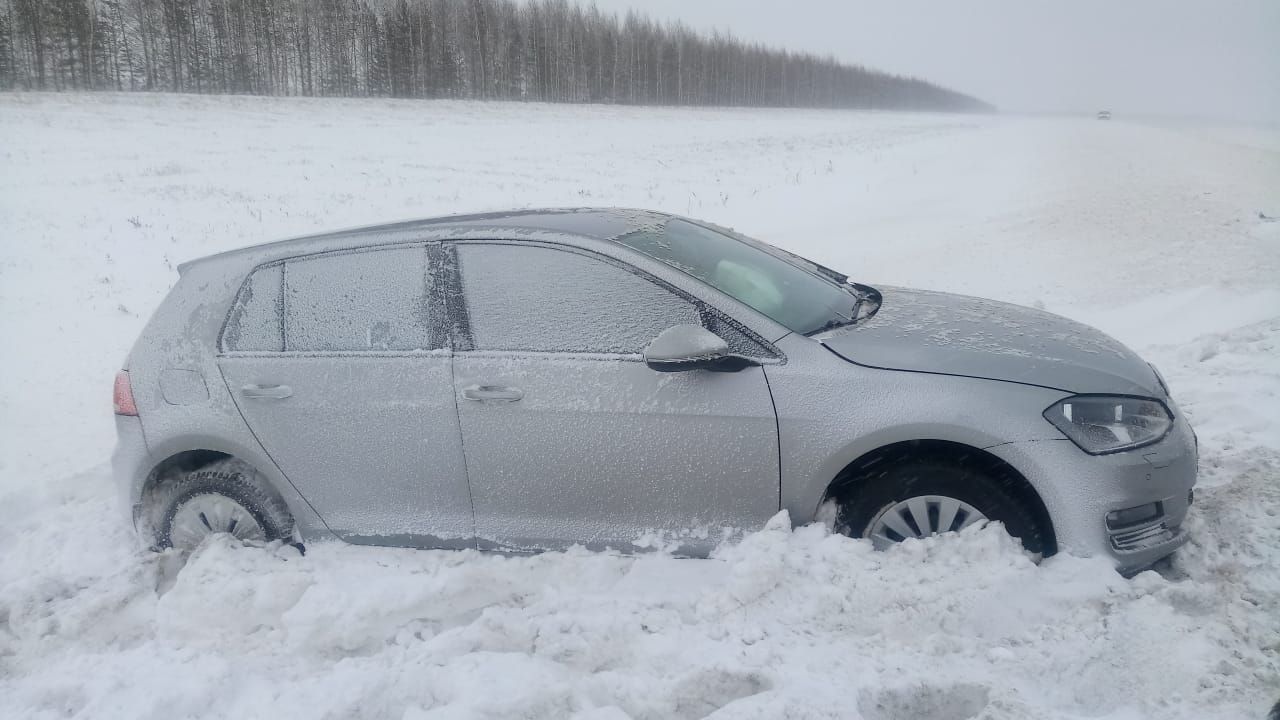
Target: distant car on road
{"x":536,"y":379}
{"x":1104,"y":114}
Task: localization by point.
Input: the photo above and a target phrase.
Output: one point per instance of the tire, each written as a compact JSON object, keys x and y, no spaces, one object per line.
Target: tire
{"x":871,"y":496}
{"x":221,"y":481}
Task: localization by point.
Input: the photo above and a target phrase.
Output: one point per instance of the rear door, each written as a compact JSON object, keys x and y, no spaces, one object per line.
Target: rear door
{"x":337,"y":363}
{"x":571,"y":438}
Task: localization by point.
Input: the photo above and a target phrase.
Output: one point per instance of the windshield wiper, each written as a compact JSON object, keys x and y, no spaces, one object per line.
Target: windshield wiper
{"x":865,"y":296}
{"x":831,"y":324}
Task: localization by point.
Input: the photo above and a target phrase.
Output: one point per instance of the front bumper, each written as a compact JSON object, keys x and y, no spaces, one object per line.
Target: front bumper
{"x":130,"y":462}
{"x":1129,"y":506}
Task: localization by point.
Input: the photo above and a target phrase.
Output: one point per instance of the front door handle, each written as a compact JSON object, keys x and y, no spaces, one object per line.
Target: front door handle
{"x":493,"y":393}
{"x":266,"y":392}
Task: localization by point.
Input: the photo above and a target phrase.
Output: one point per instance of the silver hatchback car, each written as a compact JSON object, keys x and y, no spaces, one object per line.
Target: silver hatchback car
{"x":617,"y":378}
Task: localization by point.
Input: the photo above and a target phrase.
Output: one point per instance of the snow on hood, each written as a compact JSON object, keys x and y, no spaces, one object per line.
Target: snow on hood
{"x":935,"y":332}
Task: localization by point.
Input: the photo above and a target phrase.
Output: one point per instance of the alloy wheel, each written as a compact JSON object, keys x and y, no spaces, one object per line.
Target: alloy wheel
{"x":920,"y":517}
{"x":200,"y":516}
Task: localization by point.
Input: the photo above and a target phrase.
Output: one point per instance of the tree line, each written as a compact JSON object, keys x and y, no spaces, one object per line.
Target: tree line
{"x":538,"y":50}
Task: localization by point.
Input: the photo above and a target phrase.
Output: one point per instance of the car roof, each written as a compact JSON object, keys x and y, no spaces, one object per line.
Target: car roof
{"x":595,"y":223}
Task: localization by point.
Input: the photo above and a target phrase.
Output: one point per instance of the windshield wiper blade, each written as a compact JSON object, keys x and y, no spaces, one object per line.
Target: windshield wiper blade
{"x":857,"y":305}
{"x":831,"y":324}
{"x":836,"y":322}
{"x":865,"y":294}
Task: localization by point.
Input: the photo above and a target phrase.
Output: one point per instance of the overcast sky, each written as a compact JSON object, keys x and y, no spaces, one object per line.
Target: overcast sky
{"x":1176,"y":57}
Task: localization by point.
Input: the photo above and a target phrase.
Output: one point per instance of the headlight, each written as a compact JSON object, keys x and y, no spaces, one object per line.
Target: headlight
{"x":1101,"y":424}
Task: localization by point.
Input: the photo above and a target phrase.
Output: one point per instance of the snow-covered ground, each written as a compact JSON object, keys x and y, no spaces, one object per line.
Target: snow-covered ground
{"x":1157,"y":234}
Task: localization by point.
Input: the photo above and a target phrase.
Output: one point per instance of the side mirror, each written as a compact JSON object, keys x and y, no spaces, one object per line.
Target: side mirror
{"x":691,"y":347}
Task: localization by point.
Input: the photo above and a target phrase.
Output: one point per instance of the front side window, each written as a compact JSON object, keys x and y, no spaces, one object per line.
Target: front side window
{"x":344,"y":302}
{"x":533,"y":298}
{"x":799,"y":298}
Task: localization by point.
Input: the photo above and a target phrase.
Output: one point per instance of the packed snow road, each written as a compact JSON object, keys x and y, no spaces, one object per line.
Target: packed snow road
{"x":1159,"y":235}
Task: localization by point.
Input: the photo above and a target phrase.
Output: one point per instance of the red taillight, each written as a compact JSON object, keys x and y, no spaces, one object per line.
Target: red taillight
{"x":122,"y":395}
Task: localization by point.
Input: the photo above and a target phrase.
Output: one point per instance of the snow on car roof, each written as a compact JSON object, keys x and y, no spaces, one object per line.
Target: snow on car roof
{"x":596,"y":223}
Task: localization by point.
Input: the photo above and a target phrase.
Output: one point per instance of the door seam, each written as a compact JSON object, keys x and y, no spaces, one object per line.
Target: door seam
{"x":462,"y":443}
{"x":777,"y":431}
{"x":244,"y":421}
{"x":454,"y":323}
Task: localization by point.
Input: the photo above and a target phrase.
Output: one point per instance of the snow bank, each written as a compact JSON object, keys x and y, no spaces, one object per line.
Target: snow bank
{"x":1152,"y":234}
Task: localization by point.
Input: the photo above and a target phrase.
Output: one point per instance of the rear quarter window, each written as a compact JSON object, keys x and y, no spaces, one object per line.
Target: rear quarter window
{"x":256,"y":322}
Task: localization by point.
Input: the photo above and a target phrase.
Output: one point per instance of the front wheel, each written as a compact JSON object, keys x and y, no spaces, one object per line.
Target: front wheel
{"x":924,"y":497}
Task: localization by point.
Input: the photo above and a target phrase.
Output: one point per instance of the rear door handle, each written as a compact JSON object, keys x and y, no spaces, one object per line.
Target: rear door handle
{"x":266,"y":392}
{"x":493,"y":393}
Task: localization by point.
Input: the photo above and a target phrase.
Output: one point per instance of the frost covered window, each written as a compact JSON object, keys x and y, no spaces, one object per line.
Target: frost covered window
{"x":255,"y":323}
{"x":740,"y":342}
{"x":791,"y":294}
{"x":540,"y":299}
{"x":371,"y":300}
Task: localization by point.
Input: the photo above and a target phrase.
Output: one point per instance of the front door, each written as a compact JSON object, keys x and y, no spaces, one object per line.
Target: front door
{"x":334,"y":362}
{"x":570,"y":437}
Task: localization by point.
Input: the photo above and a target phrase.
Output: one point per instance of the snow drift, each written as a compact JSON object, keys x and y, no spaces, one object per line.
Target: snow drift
{"x":1157,"y":236}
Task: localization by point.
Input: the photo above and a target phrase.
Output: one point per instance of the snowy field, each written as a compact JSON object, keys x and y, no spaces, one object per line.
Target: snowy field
{"x":1156,"y":234}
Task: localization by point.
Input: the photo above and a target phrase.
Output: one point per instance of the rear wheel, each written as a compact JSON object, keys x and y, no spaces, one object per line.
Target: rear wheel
{"x":922,"y":497}
{"x":225,"y":497}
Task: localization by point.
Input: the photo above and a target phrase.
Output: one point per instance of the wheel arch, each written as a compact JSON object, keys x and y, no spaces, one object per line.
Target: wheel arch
{"x":183,"y":455}
{"x":884,"y":456}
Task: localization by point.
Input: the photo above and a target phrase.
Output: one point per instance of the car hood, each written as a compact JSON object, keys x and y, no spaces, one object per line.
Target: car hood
{"x":922,"y":331}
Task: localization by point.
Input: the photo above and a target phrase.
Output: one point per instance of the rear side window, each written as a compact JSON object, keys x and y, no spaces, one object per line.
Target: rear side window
{"x":546,"y":300}
{"x":349,"y":302}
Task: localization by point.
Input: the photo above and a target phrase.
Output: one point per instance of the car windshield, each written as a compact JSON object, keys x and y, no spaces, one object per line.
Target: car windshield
{"x":801,"y":295}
